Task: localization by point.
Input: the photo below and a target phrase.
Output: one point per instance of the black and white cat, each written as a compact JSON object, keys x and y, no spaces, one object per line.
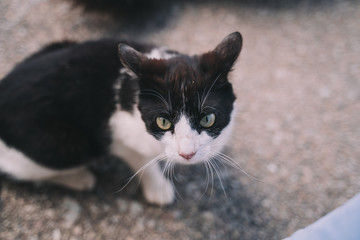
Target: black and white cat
{"x":71,"y":103}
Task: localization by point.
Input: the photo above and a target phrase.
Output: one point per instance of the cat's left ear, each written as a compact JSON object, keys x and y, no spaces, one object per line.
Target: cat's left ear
{"x":223,"y":57}
{"x":139,"y":64}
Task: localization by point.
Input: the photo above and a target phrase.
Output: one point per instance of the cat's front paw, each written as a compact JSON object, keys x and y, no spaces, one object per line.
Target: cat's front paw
{"x":159,"y":193}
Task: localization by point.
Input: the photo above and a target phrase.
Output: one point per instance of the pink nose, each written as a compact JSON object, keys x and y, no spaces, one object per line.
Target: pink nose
{"x":187,"y":156}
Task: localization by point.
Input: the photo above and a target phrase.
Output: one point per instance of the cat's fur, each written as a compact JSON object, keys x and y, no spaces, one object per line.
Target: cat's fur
{"x":71,"y":103}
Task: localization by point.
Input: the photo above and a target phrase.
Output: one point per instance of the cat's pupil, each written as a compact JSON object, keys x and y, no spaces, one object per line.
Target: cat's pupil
{"x":163,"y":123}
{"x":208,"y":121}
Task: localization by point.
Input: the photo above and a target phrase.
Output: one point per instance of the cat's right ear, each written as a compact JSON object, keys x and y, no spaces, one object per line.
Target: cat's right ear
{"x":139,"y":64}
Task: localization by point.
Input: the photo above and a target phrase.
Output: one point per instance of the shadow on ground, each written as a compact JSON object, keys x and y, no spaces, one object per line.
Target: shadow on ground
{"x":207,"y":209}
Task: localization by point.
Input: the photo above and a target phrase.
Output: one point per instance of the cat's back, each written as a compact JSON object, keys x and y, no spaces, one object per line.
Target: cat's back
{"x":66,"y":66}
{"x":64,"y":59}
{"x":61,"y":80}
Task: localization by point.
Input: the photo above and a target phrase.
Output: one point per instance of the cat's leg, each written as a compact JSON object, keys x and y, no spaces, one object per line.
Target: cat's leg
{"x":156,"y":188}
{"x":20,"y":167}
{"x":77,"y":179}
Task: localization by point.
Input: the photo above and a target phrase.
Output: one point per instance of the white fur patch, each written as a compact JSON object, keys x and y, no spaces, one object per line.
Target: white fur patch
{"x":129,"y":131}
{"x":159,"y":53}
{"x":187,"y":140}
{"x":21,"y":167}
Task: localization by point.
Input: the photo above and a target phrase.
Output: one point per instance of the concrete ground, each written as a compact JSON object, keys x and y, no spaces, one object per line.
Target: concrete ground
{"x":298,"y":125}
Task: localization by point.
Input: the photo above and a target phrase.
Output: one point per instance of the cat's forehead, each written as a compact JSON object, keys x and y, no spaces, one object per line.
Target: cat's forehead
{"x":182,"y":65}
{"x":185,"y":72}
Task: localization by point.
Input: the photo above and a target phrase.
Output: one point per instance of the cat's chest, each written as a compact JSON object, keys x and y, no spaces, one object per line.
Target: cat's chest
{"x":128,"y":130}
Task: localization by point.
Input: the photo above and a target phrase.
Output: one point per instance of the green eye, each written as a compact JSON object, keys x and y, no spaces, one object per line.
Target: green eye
{"x":163,"y":123}
{"x":208,"y":120}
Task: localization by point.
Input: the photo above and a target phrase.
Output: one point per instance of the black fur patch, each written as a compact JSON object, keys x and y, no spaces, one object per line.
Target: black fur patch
{"x":128,"y":93}
{"x":56,"y":104}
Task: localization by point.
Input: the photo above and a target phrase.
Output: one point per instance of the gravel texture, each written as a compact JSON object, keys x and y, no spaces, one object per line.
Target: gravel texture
{"x":297,"y":135}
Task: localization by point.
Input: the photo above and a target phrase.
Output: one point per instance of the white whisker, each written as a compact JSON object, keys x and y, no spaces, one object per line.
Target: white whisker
{"x":165,"y":171}
{"x":158,"y":95}
{"x":172,"y":181}
{"x":203,"y":100}
{"x":209,"y":173}
{"x":232,"y":163}
{"x":218,"y":175}
{"x":169,"y":170}
{"x":199,"y":101}
{"x":151,"y":162}
{"x":206,"y":181}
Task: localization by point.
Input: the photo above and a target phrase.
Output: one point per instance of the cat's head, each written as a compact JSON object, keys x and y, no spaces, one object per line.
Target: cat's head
{"x":185,"y":101}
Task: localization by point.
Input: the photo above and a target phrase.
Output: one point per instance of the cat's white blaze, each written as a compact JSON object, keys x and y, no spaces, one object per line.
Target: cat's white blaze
{"x":187,"y":139}
{"x":21,"y":167}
